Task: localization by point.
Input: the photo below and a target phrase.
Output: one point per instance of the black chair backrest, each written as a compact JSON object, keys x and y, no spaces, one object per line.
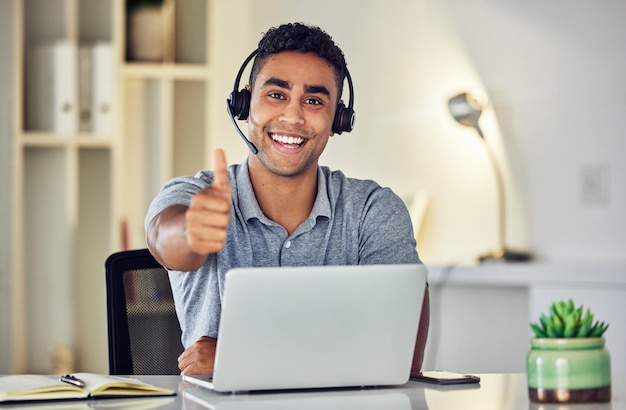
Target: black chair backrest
{"x":143,"y":331}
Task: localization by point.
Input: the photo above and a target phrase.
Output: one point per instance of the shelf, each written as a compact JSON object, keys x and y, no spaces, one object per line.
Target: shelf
{"x":166,"y":71}
{"x":79,"y":195}
{"x":50,"y":140}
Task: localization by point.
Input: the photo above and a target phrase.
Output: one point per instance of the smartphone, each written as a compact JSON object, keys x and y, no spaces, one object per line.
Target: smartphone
{"x":443,"y":377}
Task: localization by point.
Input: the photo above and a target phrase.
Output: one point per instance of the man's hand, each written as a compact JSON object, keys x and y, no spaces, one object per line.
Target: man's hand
{"x":209,"y":213}
{"x":199,"y":358}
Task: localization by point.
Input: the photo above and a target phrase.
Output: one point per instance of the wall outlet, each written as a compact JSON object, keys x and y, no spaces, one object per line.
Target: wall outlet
{"x":594,"y":185}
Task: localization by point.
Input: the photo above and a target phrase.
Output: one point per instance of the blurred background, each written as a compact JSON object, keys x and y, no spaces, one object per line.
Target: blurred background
{"x":551,"y":78}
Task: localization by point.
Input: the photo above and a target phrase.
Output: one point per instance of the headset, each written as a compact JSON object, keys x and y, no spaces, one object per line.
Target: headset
{"x":238,"y":106}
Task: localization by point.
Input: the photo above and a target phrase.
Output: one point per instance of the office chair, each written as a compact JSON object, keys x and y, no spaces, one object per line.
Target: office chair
{"x":143,"y":331}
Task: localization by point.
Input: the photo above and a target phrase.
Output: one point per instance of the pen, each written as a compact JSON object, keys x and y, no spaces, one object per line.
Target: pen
{"x":68,"y":378}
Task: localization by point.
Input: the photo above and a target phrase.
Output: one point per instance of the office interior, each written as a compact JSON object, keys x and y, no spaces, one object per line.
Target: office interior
{"x":552,"y":80}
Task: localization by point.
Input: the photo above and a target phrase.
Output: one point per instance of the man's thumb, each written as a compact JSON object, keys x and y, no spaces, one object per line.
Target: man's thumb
{"x":220,"y":170}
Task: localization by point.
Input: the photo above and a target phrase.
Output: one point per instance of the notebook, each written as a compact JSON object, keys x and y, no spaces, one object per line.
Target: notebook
{"x":316,"y":327}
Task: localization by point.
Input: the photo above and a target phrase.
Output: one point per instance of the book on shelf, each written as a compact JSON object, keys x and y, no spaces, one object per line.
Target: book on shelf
{"x":32,"y":387}
{"x":51,"y":88}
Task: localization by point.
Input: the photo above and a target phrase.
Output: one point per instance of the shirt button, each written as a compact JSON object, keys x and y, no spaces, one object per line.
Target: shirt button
{"x":288,"y":244}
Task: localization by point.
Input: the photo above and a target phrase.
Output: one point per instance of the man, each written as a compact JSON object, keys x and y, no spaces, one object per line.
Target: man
{"x":279,"y":207}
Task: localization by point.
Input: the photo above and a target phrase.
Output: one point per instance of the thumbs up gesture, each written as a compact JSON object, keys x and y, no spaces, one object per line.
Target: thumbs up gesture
{"x":209,"y":212}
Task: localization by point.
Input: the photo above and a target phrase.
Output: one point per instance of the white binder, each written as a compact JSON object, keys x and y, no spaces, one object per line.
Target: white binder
{"x":51,"y":88}
{"x":102,"y":88}
{"x":85,"y":79}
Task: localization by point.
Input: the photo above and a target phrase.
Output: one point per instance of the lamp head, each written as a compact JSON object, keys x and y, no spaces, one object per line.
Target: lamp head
{"x":466,"y":110}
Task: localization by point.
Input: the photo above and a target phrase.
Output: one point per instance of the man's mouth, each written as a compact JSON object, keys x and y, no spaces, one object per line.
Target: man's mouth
{"x":287,"y":140}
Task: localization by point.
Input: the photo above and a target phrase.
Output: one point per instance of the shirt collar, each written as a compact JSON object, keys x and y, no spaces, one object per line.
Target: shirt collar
{"x":249,"y":206}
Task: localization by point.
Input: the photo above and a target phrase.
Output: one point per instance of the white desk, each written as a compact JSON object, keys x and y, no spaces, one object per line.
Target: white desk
{"x":480,"y":314}
{"x":495,"y":392}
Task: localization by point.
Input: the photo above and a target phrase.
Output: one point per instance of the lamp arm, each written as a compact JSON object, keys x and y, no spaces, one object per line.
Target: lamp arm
{"x":501,"y":196}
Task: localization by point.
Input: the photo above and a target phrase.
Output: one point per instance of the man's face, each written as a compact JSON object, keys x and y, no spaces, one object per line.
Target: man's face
{"x":292,"y":107}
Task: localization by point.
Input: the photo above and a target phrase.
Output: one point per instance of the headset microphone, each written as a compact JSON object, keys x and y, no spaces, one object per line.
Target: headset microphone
{"x":252,"y":147}
{"x":238,"y":106}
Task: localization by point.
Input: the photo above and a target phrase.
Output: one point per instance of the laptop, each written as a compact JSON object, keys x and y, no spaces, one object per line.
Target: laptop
{"x":343,"y":399}
{"x":316,"y":327}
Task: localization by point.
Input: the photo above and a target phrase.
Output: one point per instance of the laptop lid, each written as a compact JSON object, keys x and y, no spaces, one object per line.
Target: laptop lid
{"x":317,"y":327}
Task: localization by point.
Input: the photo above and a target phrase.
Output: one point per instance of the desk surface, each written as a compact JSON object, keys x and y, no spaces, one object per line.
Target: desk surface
{"x":495,"y":392}
{"x":592,"y":275}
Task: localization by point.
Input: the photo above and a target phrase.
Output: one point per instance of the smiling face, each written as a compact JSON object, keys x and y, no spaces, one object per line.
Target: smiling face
{"x":293,"y":103}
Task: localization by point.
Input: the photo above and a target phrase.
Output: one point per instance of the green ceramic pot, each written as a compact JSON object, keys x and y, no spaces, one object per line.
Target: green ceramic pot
{"x":569,"y":370}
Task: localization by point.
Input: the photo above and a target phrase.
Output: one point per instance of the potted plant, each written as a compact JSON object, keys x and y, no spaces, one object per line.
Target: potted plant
{"x":148,"y":29}
{"x":568,"y":362}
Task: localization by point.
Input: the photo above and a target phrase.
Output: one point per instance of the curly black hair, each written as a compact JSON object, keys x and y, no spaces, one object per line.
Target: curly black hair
{"x":305,"y":39}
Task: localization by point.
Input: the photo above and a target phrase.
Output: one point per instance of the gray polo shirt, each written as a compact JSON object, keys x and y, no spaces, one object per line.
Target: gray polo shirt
{"x":352,"y":222}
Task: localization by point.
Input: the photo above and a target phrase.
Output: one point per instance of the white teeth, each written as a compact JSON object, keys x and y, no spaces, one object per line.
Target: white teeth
{"x":287,"y":139}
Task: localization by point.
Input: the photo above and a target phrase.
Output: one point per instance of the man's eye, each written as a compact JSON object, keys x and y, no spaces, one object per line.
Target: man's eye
{"x":278,"y":96}
{"x":313,"y":101}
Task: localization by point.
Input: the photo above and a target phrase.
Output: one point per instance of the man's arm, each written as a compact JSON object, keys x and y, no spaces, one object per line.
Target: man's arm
{"x":181,"y":237}
{"x":167,"y":240}
{"x":391,"y":239}
{"x":422,"y":335}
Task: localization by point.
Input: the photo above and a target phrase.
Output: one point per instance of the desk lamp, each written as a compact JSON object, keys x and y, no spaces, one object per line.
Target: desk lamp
{"x":466,"y":110}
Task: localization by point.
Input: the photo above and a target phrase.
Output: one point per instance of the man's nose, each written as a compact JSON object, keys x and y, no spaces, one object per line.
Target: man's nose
{"x":293,"y":113}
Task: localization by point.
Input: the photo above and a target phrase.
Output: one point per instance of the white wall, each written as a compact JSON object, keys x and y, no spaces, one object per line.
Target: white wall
{"x":555,"y":72}
{"x":554,"y":76}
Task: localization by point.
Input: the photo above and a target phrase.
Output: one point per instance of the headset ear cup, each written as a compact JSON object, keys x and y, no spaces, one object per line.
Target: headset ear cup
{"x":344,"y":119}
{"x":245,"y":104}
{"x":239,"y":104}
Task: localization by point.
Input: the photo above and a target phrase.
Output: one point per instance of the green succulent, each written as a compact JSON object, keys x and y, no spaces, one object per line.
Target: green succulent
{"x":565,"y":320}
